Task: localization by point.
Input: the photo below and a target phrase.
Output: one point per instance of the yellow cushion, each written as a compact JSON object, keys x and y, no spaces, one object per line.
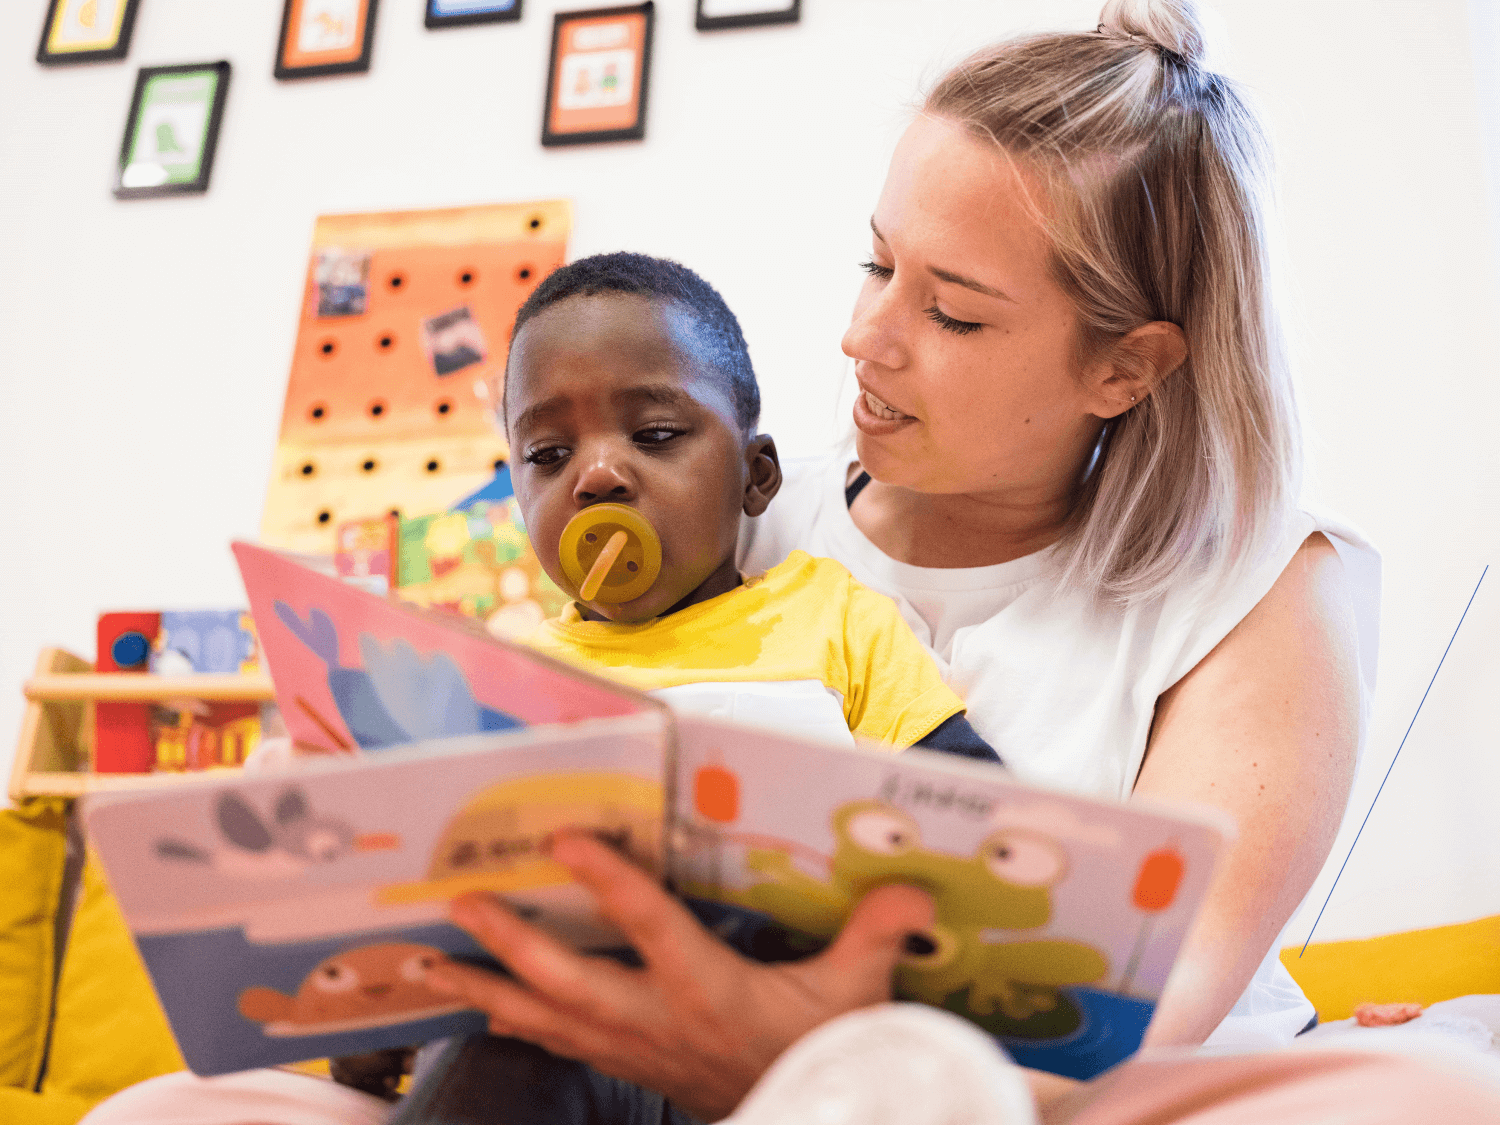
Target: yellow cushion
{"x":22,"y":1107}
{"x":33,"y":846}
{"x":109,"y":1031}
{"x":1421,"y":966}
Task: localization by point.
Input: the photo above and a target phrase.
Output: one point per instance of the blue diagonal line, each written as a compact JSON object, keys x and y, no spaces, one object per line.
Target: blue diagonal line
{"x":1392,"y":766}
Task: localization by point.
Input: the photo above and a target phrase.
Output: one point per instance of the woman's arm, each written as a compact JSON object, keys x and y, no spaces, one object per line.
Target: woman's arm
{"x":698,"y":1023}
{"x":1265,"y":727}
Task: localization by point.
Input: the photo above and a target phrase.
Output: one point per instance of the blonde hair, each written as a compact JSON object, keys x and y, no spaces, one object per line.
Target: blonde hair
{"x":1158,"y":177}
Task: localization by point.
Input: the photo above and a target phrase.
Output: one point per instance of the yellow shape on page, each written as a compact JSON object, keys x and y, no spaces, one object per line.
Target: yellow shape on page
{"x":498,"y":841}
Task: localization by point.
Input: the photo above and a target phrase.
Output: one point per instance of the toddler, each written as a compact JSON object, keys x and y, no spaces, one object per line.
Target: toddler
{"x":629,"y":383}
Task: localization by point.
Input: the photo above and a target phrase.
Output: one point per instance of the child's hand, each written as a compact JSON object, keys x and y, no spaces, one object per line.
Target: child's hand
{"x":698,"y":1023}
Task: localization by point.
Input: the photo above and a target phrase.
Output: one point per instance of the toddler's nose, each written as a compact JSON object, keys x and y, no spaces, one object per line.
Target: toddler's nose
{"x":603,"y":479}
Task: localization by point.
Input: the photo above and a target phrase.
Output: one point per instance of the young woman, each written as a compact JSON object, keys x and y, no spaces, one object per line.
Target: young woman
{"x":1076,"y":470}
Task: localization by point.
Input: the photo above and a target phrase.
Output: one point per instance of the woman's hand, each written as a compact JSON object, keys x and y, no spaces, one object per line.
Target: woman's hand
{"x":698,"y":1023}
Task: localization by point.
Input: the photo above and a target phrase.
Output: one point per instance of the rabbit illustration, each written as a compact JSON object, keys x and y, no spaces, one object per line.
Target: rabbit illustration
{"x":399,"y":696}
{"x":356,"y":696}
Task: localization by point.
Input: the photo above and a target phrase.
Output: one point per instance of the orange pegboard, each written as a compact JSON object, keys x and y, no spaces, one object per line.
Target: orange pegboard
{"x":404,"y":325}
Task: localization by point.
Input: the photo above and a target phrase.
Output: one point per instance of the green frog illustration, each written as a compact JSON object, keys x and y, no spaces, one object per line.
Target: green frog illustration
{"x":968,"y":962}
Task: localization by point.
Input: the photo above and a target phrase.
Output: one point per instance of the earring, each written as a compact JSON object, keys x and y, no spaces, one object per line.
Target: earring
{"x":1132,"y":398}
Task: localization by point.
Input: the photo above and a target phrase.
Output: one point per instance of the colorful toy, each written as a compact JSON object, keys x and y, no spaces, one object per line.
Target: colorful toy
{"x":123,"y":740}
{"x":366,"y":552}
{"x":405,"y":321}
{"x":206,"y":641}
{"x":477,"y":561}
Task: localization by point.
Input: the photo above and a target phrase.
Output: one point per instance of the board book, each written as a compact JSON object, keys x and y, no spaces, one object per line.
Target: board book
{"x":292,"y":914}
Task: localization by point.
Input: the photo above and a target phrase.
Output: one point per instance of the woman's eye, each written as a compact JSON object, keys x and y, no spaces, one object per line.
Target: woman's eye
{"x":655,"y":435}
{"x":546,"y":455}
{"x":875,"y":269}
{"x":948,"y":324}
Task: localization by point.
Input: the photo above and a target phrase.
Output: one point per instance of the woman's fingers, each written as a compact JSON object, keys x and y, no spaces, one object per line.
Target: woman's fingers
{"x":661,"y":929}
{"x":564,"y":980}
{"x":856,"y":969}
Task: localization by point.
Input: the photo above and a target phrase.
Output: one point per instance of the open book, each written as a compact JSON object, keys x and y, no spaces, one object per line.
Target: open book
{"x":293,"y":915}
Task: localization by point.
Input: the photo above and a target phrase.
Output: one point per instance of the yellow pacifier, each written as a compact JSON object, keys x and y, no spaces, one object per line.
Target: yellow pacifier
{"x":611,"y":553}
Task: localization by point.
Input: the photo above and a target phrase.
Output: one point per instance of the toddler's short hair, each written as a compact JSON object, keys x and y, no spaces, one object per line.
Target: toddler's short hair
{"x":721,"y":344}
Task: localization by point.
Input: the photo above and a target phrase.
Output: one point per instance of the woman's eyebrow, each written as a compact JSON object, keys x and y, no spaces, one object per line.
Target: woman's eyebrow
{"x":957,"y":278}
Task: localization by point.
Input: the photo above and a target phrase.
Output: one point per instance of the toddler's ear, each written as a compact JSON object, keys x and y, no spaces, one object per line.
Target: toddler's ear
{"x":763,"y":475}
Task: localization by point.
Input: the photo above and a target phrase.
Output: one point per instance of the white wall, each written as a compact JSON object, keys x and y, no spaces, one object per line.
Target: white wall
{"x":144,"y":345}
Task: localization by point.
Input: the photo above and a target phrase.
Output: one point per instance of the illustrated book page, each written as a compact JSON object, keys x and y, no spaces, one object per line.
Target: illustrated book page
{"x":293,"y":915}
{"x":1058,"y":917}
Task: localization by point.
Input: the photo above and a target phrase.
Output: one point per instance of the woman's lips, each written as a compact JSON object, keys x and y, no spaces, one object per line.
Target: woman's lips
{"x":877,"y":417}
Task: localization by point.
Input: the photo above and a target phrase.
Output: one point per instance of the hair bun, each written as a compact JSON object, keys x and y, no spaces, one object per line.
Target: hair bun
{"x":1172,"y":25}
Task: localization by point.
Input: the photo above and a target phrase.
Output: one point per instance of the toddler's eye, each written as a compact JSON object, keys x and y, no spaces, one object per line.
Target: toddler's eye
{"x":655,"y":435}
{"x":874,"y":269}
{"x":545,"y":455}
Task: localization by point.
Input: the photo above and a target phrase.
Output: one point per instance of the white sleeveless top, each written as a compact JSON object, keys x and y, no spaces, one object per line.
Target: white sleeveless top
{"x":1064,"y":689}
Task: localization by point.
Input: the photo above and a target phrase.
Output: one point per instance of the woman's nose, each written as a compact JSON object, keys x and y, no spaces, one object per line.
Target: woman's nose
{"x":873,"y":334}
{"x":603,"y":477}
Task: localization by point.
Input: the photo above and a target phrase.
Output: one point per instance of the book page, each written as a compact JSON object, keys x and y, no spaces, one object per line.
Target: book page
{"x":291,"y":915}
{"x":359,"y":673}
{"x":1058,"y":917}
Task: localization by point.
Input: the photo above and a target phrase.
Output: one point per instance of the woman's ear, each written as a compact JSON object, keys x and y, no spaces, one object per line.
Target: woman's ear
{"x":763,"y":476}
{"x":1130,"y":369}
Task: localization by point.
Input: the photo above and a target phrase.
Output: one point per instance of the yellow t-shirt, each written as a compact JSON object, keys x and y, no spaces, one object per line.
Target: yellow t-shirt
{"x":806,"y":619}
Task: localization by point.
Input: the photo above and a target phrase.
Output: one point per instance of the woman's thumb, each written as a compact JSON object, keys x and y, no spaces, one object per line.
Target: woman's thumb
{"x":863,"y":956}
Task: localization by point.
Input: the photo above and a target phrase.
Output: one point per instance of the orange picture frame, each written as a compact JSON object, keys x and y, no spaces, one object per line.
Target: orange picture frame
{"x":320,"y":37}
{"x":599,"y":75}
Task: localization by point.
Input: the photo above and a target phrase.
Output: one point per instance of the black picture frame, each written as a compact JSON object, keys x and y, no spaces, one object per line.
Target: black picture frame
{"x":119,"y":50}
{"x":748,"y":19}
{"x":634,"y":132}
{"x":435,"y":19}
{"x":205,"y":162}
{"x":290,"y":71}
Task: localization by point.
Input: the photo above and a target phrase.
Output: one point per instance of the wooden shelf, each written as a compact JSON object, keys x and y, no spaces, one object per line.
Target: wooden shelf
{"x":120,"y":686}
{"x":53,"y":751}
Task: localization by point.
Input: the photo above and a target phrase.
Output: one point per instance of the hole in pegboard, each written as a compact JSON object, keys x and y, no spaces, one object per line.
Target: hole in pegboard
{"x":433,"y":466}
{"x":468,"y":276}
{"x":524,"y":273}
{"x":444,"y":407}
{"x":535,"y":223}
{"x":318,"y":411}
{"x":499,"y":464}
{"x":369,"y":465}
{"x":324,"y":516}
{"x":308,"y":469}
{"x":377,"y":409}
{"x":385,"y":341}
{"x":396,"y":281}
{"x":328,"y":349}
{"x":396,"y":513}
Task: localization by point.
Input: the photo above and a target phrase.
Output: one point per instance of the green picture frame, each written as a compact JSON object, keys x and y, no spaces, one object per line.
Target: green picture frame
{"x":172,"y":130}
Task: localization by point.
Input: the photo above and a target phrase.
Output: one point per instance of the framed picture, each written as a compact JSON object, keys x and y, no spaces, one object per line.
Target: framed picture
{"x":597,"y":78}
{"x":325,"y":37}
{"x":172,"y":130}
{"x":457,"y":13}
{"x":714,"y":15}
{"x":77,"y":31}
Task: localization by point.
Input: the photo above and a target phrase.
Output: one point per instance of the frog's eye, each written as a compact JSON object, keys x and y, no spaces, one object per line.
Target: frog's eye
{"x":883,"y":831}
{"x":415,"y":968}
{"x":334,"y":977}
{"x":1023,"y":859}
